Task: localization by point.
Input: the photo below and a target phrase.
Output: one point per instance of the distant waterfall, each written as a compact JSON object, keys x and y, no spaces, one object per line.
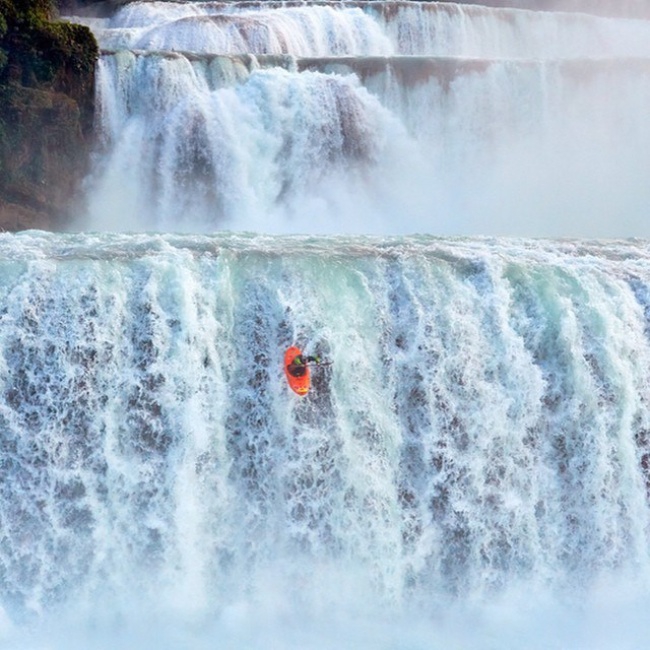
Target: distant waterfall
{"x":336,"y":117}
{"x":471,"y":469}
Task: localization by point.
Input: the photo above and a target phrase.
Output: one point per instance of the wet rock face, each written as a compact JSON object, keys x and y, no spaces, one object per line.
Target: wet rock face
{"x":46,"y":113}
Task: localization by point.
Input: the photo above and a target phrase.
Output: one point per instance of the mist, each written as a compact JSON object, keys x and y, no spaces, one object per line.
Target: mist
{"x":356,"y":120}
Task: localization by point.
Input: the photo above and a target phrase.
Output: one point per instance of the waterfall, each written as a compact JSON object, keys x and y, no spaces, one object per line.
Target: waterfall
{"x":482,"y":430}
{"x":333,"y":117}
{"x":471,"y":469}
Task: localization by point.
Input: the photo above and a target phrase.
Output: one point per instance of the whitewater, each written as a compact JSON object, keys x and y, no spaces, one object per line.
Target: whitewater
{"x":472,"y":471}
{"x":477,"y":454}
{"x":371,"y":118}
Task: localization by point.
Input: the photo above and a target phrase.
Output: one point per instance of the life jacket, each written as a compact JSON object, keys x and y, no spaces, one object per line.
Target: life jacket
{"x":297,"y":368}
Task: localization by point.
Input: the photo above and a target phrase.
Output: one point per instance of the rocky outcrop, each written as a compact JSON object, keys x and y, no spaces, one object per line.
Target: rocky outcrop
{"x":46,"y":113}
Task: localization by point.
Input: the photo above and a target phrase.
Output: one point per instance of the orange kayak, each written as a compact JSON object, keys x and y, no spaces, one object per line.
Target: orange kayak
{"x":299,"y":385}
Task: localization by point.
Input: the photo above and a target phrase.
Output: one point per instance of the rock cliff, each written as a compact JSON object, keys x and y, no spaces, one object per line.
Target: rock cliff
{"x":46,"y":113}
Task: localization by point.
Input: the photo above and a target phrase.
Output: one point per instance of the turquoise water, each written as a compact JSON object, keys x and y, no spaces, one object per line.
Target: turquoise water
{"x":470,"y":472}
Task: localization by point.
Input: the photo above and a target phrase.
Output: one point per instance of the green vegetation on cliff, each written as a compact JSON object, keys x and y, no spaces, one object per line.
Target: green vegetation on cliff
{"x":40,"y":47}
{"x":46,"y":111}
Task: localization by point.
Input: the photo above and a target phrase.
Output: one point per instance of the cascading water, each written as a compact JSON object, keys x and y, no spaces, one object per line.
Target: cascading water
{"x":336,"y":117}
{"x":481,"y":437}
{"x":473,"y":468}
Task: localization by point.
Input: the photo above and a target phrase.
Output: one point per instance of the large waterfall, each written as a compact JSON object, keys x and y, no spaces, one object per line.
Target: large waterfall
{"x":473,"y":466}
{"x":371,"y":117}
{"x":472,"y":470}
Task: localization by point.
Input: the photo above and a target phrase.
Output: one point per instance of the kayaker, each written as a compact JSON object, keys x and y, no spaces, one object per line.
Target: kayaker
{"x":298,"y":367}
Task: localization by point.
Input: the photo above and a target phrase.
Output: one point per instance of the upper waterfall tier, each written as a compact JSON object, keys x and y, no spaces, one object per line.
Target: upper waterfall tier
{"x":336,"y":117}
{"x":368,"y":28}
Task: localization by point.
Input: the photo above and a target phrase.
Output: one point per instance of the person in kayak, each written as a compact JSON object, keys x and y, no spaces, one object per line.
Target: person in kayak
{"x":298,"y":367}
